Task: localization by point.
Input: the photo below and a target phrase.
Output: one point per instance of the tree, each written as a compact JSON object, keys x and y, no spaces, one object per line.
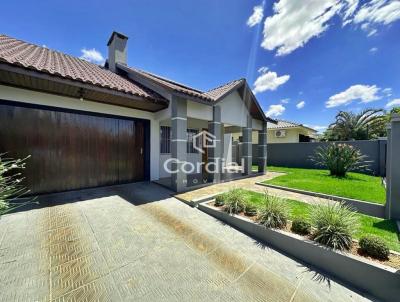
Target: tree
{"x":368,"y":124}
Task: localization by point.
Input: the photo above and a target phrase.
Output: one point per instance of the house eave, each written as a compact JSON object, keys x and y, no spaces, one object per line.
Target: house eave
{"x":22,"y":77}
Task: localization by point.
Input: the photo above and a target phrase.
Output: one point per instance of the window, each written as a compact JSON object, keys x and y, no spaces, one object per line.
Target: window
{"x":165,"y":139}
{"x":190,"y":134}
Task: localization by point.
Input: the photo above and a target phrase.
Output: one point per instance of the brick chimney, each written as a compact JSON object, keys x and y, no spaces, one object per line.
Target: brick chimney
{"x":117,"y":50}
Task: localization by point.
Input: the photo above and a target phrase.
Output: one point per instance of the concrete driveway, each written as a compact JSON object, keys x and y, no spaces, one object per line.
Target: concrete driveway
{"x":136,"y":243}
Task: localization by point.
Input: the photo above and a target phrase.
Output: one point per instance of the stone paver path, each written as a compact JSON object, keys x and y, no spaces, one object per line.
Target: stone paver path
{"x":250,"y":184}
{"x":136,"y":243}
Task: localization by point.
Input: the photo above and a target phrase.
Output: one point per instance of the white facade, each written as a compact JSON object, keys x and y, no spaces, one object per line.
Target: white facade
{"x":233,"y":112}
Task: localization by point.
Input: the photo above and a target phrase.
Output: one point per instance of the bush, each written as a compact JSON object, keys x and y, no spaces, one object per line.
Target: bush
{"x":339,"y":159}
{"x":301,"y":227}
{"x":375,"y":247}
{"x":334,"y":225}
{"x":10,"y":183}
{"x":234,"y":201}
{"x":250,"y":209}
{"x":219,"y":200}
{"x":275,"y":212}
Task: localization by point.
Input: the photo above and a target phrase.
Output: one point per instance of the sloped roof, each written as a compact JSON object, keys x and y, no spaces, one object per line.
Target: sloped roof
{"x":282,"y":124}
{"x":220,"y":91}
{"x":30,"y":56}
{"x":175,"y":86}
{"x":17,"y":53}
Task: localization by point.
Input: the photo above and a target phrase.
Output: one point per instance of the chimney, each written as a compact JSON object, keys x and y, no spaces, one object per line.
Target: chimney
{"x":116,"y":50}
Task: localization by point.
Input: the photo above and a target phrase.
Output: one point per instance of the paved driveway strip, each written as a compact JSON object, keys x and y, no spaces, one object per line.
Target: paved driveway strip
{"x":136,"y":243}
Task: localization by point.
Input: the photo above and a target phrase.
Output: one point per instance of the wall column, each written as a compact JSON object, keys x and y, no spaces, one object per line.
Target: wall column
{"x":262,"y":148}
{"x":215,"y":152}
{"x":178,"y":142}
{"x":393,"y":169}
{"x":247,"y":145}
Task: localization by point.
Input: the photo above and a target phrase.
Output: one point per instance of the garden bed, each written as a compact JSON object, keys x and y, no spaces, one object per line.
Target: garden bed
{"x":354,"y":186}
{"x":384,"y":228}
{"x":393,"y":261}
{"x":377,"y":278}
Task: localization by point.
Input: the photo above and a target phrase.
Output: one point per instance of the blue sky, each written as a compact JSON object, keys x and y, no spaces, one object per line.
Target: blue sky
{"x":330,"y":54}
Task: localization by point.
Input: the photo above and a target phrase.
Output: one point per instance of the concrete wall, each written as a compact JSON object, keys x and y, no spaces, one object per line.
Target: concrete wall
{"x":297,"y":155}
{"x":233,"y":110}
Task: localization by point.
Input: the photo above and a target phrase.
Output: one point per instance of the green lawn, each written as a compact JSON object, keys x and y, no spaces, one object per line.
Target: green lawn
{"x":355,"y":185}
{"x":385,"y":229}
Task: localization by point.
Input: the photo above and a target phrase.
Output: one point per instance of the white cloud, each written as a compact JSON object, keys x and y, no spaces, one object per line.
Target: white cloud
{"x":372,"y":32}
{"x":364,"y":93}
{"x":275,"y":110}
{"x":257,"y":16}
{"x":387,"y":92}
{"x":378,"y":12}
{"x":285,"y":101}
{"x":268,"y":80}
{"x":92,"y":55}
{"x":262,"y":69}
{"x":294,"y":23}
{"x":393,"y":103}
{"x":373,"y":50}
{"x":301,"y":105}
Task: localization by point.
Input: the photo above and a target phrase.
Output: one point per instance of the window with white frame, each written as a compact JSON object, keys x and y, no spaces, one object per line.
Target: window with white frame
{"x":190,"y":134}
{"x":165,"y":140}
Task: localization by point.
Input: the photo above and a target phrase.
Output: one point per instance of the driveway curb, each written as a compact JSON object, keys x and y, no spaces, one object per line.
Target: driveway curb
{"x":368,"y":277}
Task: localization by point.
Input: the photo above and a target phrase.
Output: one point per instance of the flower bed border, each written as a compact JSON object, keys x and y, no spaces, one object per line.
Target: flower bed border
{"x":372,"y":278}
{"x":363,"y":207}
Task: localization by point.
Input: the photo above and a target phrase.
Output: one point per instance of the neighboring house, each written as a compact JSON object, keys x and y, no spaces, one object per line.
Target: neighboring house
{"x":284,"y":132}
{"x":290,"y":132}
{"x":86,"y":125}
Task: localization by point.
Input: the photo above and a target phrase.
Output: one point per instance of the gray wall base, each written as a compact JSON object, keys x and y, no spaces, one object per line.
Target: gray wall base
{"x":373,"y":279}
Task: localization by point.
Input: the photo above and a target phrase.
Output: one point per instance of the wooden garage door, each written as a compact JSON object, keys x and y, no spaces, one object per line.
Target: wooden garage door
{"x":72,"y":150}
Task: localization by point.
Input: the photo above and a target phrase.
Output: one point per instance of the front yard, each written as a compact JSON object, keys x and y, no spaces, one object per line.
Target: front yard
{"x":355,"y":185}
{"x":368,"y":225}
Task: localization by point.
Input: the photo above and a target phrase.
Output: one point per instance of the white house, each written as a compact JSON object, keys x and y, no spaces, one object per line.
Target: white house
{"x":86,"y":125}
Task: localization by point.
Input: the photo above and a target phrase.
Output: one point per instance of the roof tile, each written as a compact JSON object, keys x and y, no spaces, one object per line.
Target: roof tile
{"x":17,"y":52}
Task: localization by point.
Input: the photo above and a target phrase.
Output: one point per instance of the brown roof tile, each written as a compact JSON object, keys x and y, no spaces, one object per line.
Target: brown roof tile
{"x":220,"y":91}
{"x":211,"y":95}
{"x":286,"y":124}
{"x":17,"y":52}
{"x":175,"y":86}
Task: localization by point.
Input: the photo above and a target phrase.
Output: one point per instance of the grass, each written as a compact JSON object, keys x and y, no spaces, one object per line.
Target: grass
{"x":368,"y":225}
{"x":355,"y":185}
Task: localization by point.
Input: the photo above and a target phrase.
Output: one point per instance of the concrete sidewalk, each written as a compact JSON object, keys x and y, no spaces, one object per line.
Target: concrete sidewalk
{"x":249,"y":184}
{"x":136,"y":243}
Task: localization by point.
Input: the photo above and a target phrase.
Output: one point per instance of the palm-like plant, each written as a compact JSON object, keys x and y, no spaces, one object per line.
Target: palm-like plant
{"x":340,"y":158}
{"x":10,"y":183}
{"x":370,"y":123}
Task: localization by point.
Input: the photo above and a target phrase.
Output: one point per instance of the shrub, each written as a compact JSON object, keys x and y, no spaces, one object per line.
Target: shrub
{"x":275,"y":212}
{"x":375,"y":247}
{"x":219,"y":200}
{"x":250,"y":209}
{"x":339,"y":159}
{"x":10,"y":183}
{"x":234,"y":201}
{"x":301,"y":227}
{"x":334,"y":225}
